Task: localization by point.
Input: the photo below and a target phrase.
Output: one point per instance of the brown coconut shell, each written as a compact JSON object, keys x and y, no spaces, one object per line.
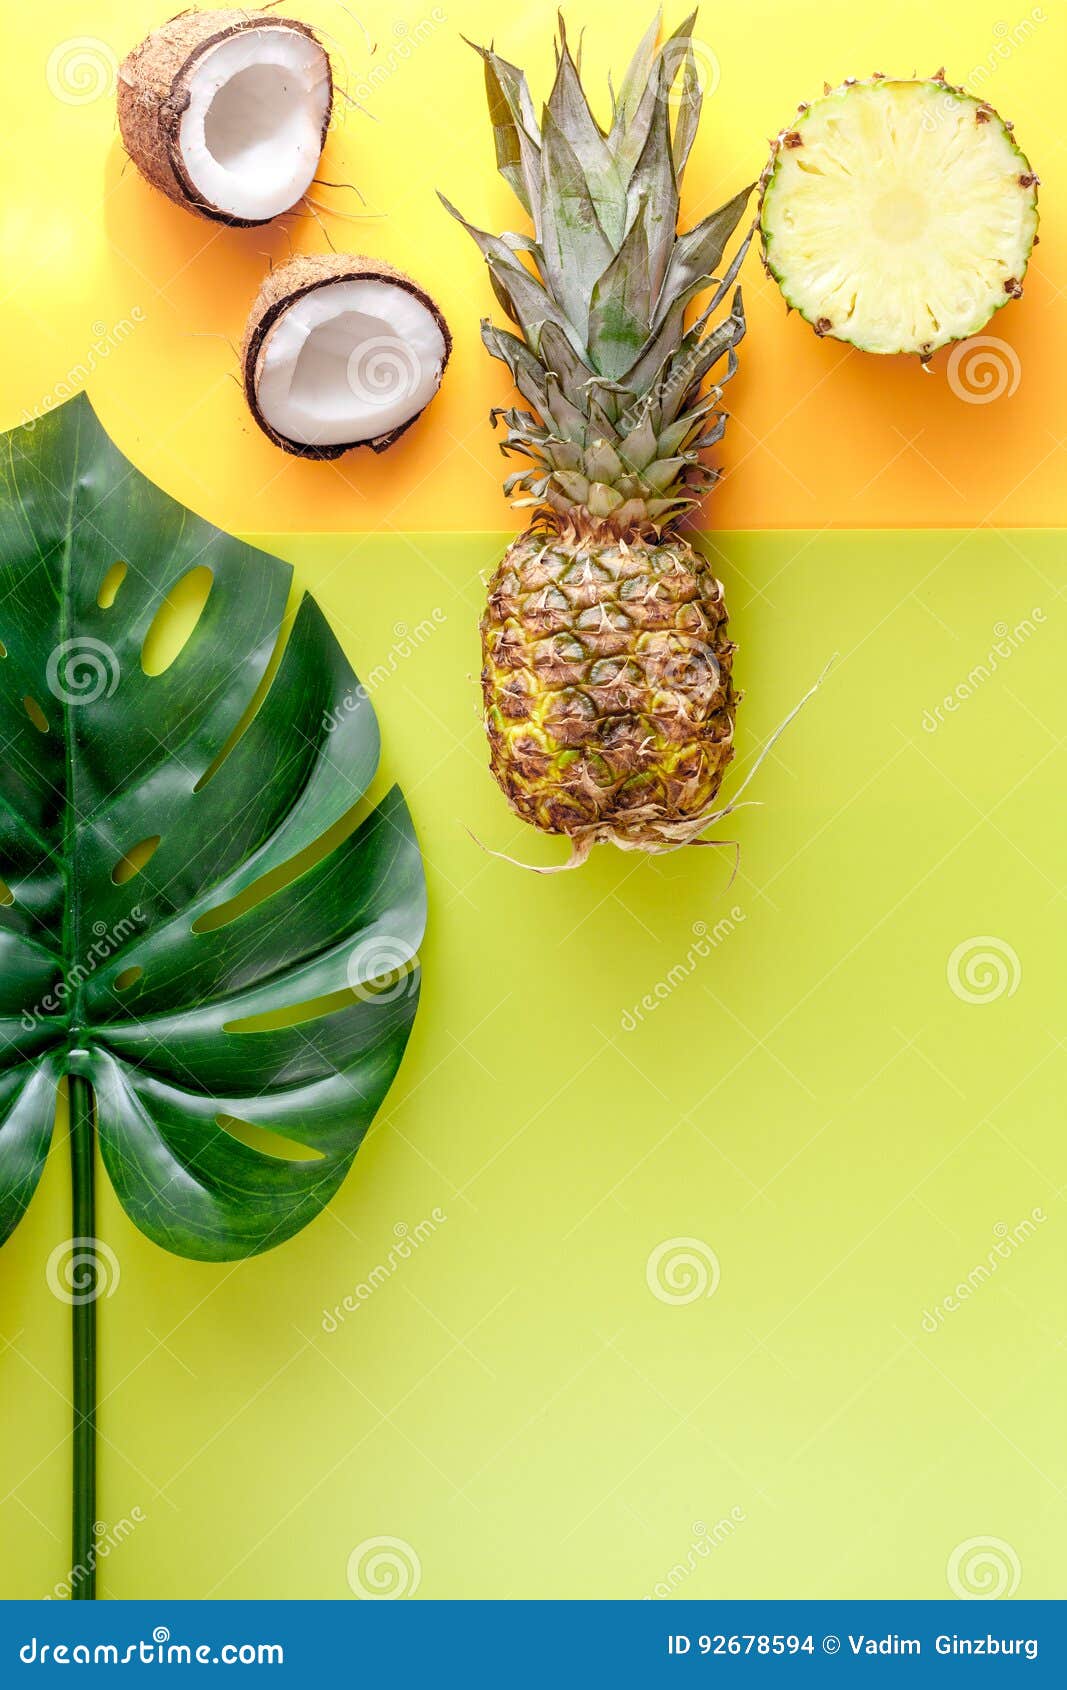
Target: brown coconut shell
{"x":153,"y":94}
{"x":281,"y":289}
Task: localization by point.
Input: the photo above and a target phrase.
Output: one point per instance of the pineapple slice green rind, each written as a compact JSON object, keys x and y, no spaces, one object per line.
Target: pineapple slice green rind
{"x":898,"y":216}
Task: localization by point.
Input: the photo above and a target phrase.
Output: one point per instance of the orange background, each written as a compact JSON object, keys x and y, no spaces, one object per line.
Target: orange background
{"x":821,"y":436}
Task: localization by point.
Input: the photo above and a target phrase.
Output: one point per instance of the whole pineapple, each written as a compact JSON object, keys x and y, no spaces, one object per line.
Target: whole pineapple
{"x":609,"y":700}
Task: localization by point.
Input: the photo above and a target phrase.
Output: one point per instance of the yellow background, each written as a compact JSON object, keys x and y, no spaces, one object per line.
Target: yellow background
{"x":820,"y":434}
{"x":811,"y":1100}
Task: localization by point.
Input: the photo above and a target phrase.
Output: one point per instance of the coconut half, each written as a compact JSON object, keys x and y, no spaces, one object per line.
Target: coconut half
{"x":341,"y":351}
{"x":226,"y":112}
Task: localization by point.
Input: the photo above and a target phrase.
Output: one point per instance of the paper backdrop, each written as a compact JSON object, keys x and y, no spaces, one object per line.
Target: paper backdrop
{"x":711,"y":1240}
{"x":104,"y":276}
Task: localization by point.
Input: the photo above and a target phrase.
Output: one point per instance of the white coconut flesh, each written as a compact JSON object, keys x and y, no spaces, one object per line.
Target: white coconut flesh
{"x":251,"y":136}
{"x":898,"y":215}
{"x":348,"y":362}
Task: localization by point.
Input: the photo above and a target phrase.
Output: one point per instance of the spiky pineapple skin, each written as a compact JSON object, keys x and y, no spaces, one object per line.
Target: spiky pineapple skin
{"x":607,"y":684}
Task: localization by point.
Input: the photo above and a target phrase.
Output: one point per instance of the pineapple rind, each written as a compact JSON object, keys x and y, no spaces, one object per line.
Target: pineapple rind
{"x":607,"y":684}
{"x":916,"y":236}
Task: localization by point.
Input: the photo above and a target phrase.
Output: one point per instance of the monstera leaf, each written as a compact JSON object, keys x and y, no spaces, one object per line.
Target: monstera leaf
{"x":135,"y":808}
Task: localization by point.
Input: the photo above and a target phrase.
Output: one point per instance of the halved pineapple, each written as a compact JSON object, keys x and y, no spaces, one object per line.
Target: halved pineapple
{"x":898,"y":216}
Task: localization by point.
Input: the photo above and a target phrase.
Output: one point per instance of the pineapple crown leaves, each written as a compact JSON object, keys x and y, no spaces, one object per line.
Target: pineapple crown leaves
{"x":598,"y":295}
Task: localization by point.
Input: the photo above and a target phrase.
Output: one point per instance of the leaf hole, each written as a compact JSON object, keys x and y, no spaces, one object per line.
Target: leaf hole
{"x":110,"y":585}
{"x":267,"y":884}
{"x":35,"y":713}
{"x":135,"y":859}
{"x":6,"y":894}
{"x":268,"y":1143}
{"x":128,"y":977}
{"x":266,"y":681}
{"x":3,"y":649}
{"x":173,"y":624}
{"x":312,"y":1009}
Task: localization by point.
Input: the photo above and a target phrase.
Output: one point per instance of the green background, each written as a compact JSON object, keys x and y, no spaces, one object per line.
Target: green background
{"x":810,"y":1100}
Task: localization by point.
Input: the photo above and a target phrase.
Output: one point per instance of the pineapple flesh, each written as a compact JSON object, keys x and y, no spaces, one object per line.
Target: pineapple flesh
{"x":606,"y":678}
{"x":898,"y":216}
